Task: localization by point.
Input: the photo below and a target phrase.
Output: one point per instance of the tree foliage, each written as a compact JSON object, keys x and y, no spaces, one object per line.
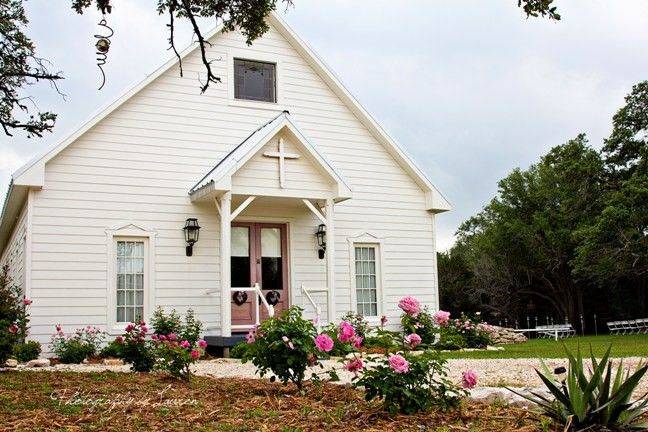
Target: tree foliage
{"x":565,"y":232}
{"x":21,"y":68}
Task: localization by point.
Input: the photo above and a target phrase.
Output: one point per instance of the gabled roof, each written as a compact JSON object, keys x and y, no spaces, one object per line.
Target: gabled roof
{"x":219,"y":177}
{"x":32,"y":174}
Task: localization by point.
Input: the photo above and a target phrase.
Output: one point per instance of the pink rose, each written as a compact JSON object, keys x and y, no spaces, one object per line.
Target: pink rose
{"x":185,"y":344}
{"x":195,"y":354}
{"x":58,"y":328}
{"x":119,"y":340}
{"x":162,"y":338}
{"x":383,"y":320}
{"x":357,"y":342}
{"x":398,"y":363}
{"x":172,"y":336}
{"x":202,"y":343}
{"x":442,"y":318}
{"x":26,"y":301}
{"x":324,"y":342}
{"x":469,"y":379}
{"x":410,"y":306}
{"x":346,"y":332}
{"x":413,"y":340}
{"x":144,"y":329}
{"x":13,"y":329}
{"x":154,"y":337}
{"x":130,"y":327}
{"x":355,"y":365}
{"x":250,"y":337}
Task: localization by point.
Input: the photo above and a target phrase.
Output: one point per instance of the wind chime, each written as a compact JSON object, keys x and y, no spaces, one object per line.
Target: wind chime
{"x":103,"y":45}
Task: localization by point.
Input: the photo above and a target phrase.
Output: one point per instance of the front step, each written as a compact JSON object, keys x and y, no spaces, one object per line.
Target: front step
{"x":220,"y":345}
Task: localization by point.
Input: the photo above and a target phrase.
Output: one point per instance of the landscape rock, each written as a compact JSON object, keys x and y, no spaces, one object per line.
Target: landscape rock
{"x":503,"y":336}
{"x":113,"y":362}
{"x":43,"y":362}
{"x":11,"y":363}
{"x":500,"y":395}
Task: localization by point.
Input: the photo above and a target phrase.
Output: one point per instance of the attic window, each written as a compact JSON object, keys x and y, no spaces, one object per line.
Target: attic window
{"x":254,"y":80}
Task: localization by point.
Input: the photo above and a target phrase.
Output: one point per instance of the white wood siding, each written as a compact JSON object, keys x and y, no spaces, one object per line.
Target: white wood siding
{"x":138,"y":164}
{"x":15,"y":252}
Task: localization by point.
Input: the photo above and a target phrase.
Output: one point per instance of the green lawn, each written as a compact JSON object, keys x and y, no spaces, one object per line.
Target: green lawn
{"x":622,"y":346}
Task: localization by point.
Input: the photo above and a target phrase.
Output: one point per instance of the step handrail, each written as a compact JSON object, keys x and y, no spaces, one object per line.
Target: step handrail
{"x":318,"y":311}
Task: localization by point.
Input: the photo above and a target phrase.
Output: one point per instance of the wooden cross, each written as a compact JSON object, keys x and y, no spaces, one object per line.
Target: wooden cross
{"x":282,"y":156}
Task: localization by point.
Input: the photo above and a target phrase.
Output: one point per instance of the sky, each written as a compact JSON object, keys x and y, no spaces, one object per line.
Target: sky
{"x":471,"y":89}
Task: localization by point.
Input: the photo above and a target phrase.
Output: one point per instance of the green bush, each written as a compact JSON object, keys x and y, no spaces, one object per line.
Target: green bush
{"x":379,"y":338}
{"x":112,"y":350}
{"x":410,"y":383}
{"x":136,"y":349}
{"x":164,"y":324}
{"x":77,"y":346}
{"x":360,"y":325}
{"x":451,"y":341}
{"x":340,"y":349}
{"x":423,"y":325}
{"x":73,"y":351}
{"x":24,"y":352}
{"x":284,"y":346}
{"x":14,"y":319}
{"x":238,"y":351}
{"x":597,"y":397}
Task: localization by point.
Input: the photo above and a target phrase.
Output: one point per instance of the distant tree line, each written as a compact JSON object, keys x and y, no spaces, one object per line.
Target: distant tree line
{"x":567,"y":237}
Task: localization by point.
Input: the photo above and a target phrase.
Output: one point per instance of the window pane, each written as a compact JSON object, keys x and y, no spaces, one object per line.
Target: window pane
{"x":130,"y":316}
{"x":138,"y":314}
{"x":121,"y":314}
{"x":130,"y":298}
{"x":254,"y":80}
{"x":366,"y":283}
{"x":240,"y":242}
{"x":139,"y":281}
{"x":271,"y":242}
{"x":139,"y":298}
{"x":121,"y":297}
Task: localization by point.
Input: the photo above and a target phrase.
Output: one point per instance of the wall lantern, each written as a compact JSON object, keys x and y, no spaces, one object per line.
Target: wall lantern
{"x":191,"y":231}
{"x":321,"y":240}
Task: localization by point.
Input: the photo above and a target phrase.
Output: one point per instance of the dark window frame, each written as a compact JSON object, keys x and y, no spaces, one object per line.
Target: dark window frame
{"x":239,"y":93}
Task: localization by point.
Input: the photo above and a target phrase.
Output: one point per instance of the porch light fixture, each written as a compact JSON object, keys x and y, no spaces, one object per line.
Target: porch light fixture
{"x":191,"y":231}
{"x":321,"y":240}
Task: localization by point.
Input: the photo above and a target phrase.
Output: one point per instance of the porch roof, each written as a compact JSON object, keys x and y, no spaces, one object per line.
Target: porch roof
{"x":219,"y":178}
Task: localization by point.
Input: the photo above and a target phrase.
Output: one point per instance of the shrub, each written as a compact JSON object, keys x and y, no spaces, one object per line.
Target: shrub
{"x":599,"y":398}
{"x":24,"y":352}
{"x":422,"y":324}
{"x":135,"y":349}
{"x":76,"y":347}
{"x":164,"y":324}
{"x":14,"y":320}
{"x":177,"y":357}
{"x":238,"y":350}
{"x":410,"y":384}
{"x":172,"y":324}
{"x":285,"y":346}
{"x":112,"y":350}
{"x":360,"y":325}
{"x":451,"y":341}
{"x":384,"y":339}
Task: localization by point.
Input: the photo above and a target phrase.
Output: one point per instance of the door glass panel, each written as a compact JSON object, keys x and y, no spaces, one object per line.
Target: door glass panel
{"x":271,"y":259}
{"x":240,"y":260}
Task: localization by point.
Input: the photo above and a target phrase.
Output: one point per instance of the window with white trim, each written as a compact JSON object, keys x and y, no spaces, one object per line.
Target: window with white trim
{"x":130,"y":280}
{"x":366,"y":279}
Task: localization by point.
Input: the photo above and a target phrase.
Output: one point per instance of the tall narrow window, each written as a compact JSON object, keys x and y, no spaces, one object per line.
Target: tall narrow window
{"x":255,"y":80}
{"x":130,"y":280}
{"x":366,"y":281}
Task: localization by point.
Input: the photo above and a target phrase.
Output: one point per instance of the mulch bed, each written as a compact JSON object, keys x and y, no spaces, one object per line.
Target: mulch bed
{"x":108,"y":401}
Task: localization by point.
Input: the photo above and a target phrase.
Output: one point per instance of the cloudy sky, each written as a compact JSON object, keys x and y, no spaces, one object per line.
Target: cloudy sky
{"x":470,"y":88}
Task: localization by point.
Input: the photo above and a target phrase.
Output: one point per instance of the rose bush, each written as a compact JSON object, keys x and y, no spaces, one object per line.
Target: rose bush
{"x":77,"y":346}
{"x":409,"y":383}
{"x":14,"y":319}
{"x":285,"y":346}
{"x":135,"y":349}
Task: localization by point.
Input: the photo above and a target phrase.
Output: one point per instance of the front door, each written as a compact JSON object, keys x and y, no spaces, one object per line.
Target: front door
{"x":259,"y":255}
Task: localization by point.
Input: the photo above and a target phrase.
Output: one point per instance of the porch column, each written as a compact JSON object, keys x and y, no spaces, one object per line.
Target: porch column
{"x":225,"y":263}
{"x":330,"y":258}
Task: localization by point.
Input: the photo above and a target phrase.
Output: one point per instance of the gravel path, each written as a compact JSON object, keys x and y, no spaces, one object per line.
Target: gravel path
{"x":491,"y":373}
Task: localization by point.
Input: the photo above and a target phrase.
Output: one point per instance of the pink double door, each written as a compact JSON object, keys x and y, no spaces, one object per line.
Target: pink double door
{"x":258,"y":255}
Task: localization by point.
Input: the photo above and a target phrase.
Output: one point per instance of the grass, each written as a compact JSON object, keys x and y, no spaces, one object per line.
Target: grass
{"x":622,"y":346}
{"x":125,"y":402}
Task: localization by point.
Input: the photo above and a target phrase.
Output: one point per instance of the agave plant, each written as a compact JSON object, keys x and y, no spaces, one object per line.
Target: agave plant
{"x":597,"y":398}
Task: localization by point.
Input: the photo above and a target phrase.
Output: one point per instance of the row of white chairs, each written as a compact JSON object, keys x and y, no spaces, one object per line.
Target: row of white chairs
{"x":628,"y":327}
{"x":550,"y":331}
